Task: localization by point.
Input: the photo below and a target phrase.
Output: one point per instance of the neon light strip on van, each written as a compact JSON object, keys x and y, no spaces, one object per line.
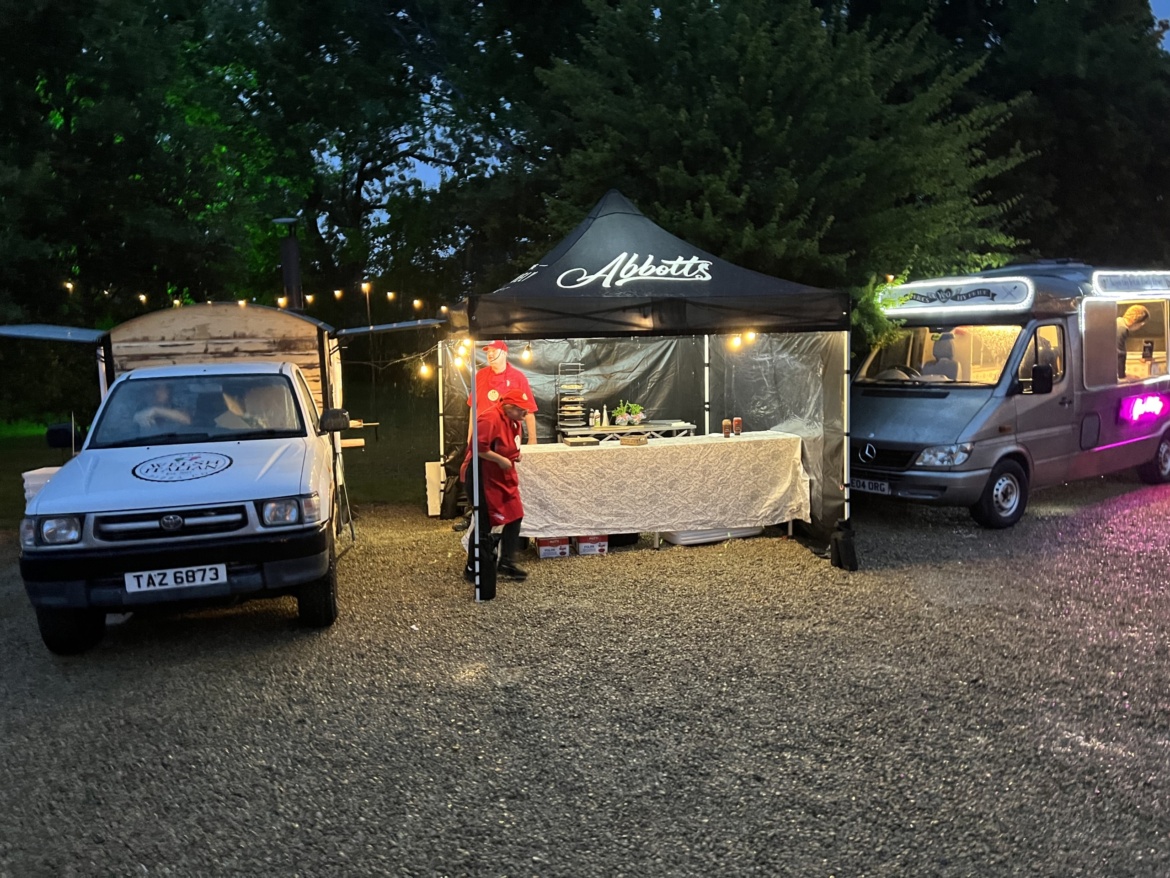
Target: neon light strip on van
{"x":1131,"y":283}
{"x":958,"y":296}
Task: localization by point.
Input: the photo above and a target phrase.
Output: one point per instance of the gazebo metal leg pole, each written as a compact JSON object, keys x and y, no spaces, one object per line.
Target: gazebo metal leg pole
{"x":842,"y":551}
{"x":706,"y":385}
{"x":485,"y":579}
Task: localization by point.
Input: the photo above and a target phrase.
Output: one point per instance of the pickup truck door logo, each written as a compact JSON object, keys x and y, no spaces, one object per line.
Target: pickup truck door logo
{"x":182,"y":467}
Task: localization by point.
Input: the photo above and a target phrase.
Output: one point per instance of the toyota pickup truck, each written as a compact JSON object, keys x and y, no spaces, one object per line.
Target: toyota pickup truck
{"x":197,"y":482}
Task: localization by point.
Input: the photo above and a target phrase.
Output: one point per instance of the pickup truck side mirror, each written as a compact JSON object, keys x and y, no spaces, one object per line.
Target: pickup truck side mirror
{"x":1042,"y":378}
{"x":64,"y":436}
{"x":334,"y":420}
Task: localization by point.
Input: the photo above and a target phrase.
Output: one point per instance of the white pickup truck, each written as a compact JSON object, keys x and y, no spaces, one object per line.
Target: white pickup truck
{"x":197,"y":482}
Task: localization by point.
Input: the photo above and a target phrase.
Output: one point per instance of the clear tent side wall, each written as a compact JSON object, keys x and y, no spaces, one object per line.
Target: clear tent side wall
{"x":792,"y":382}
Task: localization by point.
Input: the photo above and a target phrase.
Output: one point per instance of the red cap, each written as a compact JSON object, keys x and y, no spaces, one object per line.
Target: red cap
{"x":498,"y":345}
{"x":515,"y":396}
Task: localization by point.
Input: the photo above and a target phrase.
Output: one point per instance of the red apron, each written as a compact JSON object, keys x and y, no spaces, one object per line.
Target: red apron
{"x":501,"y":487}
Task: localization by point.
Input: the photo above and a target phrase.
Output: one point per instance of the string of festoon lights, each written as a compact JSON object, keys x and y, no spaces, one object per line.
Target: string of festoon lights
{"x":737,"y":341}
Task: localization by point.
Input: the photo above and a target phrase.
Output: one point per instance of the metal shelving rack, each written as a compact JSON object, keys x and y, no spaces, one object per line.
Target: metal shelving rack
{"x":571,"y":411}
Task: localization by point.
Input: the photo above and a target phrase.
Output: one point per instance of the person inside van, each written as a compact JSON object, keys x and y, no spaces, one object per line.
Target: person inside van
{"x":1133,"y":319}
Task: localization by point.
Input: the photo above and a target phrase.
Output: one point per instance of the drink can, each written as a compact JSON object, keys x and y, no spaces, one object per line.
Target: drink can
{"x":737,"y":425}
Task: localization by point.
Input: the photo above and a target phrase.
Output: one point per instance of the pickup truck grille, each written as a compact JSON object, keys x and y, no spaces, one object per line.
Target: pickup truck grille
{"x":169,"y":523}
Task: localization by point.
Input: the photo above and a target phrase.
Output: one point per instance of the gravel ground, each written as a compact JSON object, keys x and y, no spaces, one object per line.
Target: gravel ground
{"x":968,"y":703}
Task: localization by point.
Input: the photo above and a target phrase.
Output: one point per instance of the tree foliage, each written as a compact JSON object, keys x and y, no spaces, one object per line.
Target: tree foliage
{"x":148,"y":144}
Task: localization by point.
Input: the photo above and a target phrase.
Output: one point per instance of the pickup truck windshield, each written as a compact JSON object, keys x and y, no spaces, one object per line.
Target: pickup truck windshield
{"x":948,"y":354}
{"x":170,"y":411}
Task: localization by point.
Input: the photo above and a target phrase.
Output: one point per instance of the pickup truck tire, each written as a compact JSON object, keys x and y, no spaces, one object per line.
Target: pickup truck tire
{"x":1004,"y":497}
{"x":70,"y":632}
{"x":317,"y":600}
{"x":1157,"y":471}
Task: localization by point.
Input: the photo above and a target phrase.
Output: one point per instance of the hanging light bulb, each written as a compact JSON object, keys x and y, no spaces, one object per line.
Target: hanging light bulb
{"x":282,"y":302}
{"x":390,"y":296}
{"x":736,"y":341}
{"x":749,"y":336}
{"x":418,"y":303}
{"x":142,"y":298}
{"x":337,"y":294}
{"x":442,"y":309}
{"x":424,"y":370}
{"x":241,"y":302}
{"x":458,"y":362}
{"x":527,"y":354}
{"x":308,"y":298}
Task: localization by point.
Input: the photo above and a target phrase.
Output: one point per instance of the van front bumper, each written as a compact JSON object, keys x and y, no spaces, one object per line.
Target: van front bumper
{"x":265,"y":566}
{"x":922,"y":486}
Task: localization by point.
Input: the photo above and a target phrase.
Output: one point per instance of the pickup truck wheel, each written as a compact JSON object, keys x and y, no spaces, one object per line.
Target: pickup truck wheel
{"x":317,"y":600}
{"x":1157,"y":471}
{"x":1004,"y":497}
{"x":69,"y":632}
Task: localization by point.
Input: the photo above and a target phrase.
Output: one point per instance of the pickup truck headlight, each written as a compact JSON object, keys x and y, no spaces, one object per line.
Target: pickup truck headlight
{"x":291,"y":510}
{"x":58,"y":530}
{"x":945,"y":455}
{"x":281,"y":513}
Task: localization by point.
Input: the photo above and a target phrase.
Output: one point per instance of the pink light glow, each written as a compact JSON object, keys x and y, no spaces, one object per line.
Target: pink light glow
{"x":1139,"y":408}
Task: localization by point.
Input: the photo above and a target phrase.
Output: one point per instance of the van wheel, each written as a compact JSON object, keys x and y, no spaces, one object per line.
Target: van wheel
{"x":1157,"y":471}
{"x":70,"y":632}
{"x":1004,"y":498}
{"x":317,"y":600}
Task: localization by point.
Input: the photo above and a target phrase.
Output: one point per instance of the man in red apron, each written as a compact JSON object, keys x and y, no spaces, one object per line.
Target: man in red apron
{"x":498,"y":427}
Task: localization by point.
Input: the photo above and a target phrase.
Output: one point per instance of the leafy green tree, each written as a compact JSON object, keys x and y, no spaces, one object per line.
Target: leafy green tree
{"x":1090,"y":83}
{"x":774,"y":137}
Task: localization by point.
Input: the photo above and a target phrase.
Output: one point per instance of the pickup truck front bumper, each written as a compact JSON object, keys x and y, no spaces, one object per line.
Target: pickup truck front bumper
{"x":257,"y":566}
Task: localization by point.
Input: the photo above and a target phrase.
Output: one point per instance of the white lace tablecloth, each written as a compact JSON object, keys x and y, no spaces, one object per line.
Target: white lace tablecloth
{"x":673,"y":484}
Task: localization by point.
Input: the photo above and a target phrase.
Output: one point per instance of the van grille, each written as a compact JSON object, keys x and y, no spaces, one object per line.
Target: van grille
{"x":169,"y":523}
{"x":869,"y":454}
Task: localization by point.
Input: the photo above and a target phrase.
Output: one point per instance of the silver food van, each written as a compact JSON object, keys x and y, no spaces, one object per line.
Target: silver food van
{"x":1010,"y":380}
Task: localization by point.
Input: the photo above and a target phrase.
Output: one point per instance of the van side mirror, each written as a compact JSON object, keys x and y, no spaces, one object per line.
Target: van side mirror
{"x":1042,"y":378}
{"x":334,"y":420}
{"x":64,"y":436}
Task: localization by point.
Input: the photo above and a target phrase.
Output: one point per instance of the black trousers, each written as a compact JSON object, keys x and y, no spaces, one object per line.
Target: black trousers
{"x":509,"y":539}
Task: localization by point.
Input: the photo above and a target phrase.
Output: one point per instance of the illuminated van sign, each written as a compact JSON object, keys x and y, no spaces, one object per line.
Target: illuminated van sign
{"x":1119,"y":283}
{"x":1146,"y":407}
{"x":958,"y":295}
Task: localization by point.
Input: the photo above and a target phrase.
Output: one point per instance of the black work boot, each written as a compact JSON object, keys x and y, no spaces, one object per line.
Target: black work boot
{"x":510,"y":571}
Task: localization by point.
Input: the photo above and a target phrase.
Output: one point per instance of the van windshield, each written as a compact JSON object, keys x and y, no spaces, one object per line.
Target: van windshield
{"x":172,"y":410}
{"x":942,"y":354}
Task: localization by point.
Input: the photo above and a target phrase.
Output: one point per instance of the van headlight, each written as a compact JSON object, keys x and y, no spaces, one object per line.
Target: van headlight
{"x":288,"y":511}
{"x":56,"y":530}
{"x":945,"y":455}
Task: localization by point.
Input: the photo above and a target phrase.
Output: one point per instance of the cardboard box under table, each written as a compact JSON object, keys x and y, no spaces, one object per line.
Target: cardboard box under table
{"x":552,"y":547}
{"x":680,"y":483}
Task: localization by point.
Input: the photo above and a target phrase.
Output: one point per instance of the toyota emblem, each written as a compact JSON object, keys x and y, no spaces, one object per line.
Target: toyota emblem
{"x":171,"y":522}
{"x":868,"y":454}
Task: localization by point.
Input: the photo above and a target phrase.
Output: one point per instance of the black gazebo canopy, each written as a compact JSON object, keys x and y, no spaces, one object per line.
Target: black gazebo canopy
{"x":619,"y":274}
